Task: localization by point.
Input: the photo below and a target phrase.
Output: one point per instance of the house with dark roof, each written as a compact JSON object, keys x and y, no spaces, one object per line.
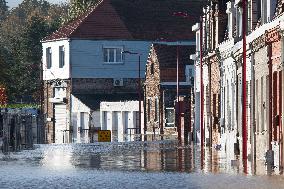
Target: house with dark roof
{"x":83,"y":60}
{"x":162,"y":87}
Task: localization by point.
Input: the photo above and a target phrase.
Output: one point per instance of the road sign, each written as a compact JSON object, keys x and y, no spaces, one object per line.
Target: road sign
{"x":104,"y":136}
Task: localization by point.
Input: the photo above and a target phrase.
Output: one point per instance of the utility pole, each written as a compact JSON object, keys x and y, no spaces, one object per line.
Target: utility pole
{"x":139,"y":86}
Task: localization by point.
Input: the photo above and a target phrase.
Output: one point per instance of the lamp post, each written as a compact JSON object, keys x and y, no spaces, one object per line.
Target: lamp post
{"x":139,"y":83}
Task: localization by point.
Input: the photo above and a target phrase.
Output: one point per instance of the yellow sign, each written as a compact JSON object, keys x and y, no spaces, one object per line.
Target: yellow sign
{"x":104,"y":136}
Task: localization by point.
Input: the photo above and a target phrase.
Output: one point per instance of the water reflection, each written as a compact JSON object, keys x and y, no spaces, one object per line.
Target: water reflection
{"x":140,"y":156}
{"x":140,"y":161}
{"x":57,"y":159}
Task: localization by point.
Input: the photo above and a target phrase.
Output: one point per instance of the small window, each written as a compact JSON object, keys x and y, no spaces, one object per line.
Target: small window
{"x":61,"y":56}
{"x":152,"y":69}
{"x":156,"y":109}
{"x":197,"y":41}
{"x":48,"y":58}
{"x":59,"y":92}
{"x":170,"y":117}
{"x":113,"y":55}
{"x":149,"y":109}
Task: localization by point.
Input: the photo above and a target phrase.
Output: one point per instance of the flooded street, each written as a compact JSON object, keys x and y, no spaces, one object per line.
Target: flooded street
{"x":123,"y":165}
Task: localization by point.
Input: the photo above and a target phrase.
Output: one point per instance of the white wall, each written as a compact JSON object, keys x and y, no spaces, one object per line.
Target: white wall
{"x":55,"y":72}
{"x":77,"y":107}
{"x":118,"y":116}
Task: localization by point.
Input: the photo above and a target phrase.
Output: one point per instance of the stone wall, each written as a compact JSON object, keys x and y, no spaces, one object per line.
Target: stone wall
{"x":152,"y":92}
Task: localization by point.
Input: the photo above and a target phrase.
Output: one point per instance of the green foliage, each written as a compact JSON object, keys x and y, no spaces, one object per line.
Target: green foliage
{"x":77,"y":8}
{"x":21,"y":32}
{"x":3,"y":9}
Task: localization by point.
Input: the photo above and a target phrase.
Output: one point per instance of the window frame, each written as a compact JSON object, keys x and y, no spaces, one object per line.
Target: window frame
{"x":170,"y":124}
{"x":61,"y":58}
{"x":48,"y":52}
{"x":149,"y":103}
{"x":157,"y":112}
{"x":114,"y":56}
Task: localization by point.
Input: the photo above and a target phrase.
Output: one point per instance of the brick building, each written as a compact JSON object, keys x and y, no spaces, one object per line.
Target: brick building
{"x":264,"y":78}
{"x":161,"y":88}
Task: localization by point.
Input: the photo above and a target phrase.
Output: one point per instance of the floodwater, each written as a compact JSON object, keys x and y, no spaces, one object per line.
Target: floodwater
{"x":152,"y":164}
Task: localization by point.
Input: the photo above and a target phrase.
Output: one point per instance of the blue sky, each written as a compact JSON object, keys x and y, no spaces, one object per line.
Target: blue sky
{"x":14,"y":3}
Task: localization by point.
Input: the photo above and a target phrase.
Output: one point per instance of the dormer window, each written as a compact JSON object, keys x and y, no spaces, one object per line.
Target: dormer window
{"x":112,"y":54}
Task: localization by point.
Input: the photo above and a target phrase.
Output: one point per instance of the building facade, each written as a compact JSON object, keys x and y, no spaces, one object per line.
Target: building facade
{"x":264,"y":77}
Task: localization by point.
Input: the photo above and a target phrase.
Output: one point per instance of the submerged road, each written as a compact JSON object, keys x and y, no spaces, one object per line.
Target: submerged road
{"x":124,"y":165}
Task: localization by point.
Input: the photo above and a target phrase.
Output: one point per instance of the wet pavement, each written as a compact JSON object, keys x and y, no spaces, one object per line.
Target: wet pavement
{"x":125,"y":165}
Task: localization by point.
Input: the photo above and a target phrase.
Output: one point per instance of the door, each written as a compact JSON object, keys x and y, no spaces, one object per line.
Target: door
{"x":60,"y":123}
{"x":84,"y":124}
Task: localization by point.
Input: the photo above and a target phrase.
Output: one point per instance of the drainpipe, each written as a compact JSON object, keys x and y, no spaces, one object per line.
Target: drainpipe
{"x":269,"y":46}
{"x":210,"y":108}
{"x":244,"y":110}
{"x":282,"y":117}
{"x":178,"y":103}
{"x":282,"y":96}
{"x":71,"y":132}
{"x":145,"y":116}
{"x":201,"y":84}
{"x":253,"y":128}
{"x":161,"y":104}
{"x":189,"y":125}
{"x":46,"y":123}
{"x":201,"y":93}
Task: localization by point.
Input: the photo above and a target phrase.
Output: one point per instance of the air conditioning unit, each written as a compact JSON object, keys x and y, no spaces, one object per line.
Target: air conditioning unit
{"x":118,"y":82}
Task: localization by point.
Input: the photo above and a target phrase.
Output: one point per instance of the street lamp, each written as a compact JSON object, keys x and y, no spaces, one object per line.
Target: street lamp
{"x":139,"y":83}
{"x":182,"y":15}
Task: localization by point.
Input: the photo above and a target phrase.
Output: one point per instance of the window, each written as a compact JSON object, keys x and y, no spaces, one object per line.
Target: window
{"x":48,"y":58}
{"x":149,"y":109}
{"x":170,"y":117}
{"x":59,"y":92}
{"x":152,"y":69}
{"x":61,"y":56}
{"x":197,"y":41}
{"x":113,"y":55}
{"x":156,"y":109}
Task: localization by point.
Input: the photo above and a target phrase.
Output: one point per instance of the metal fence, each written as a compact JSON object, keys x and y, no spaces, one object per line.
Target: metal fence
{"x":20,"y":131}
